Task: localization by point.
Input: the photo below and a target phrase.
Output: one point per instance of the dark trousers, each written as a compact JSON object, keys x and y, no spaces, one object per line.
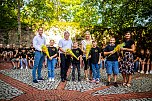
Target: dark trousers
{"x":87,"y":63}
{"x":76,"y":65}
{"x":65,"y":63}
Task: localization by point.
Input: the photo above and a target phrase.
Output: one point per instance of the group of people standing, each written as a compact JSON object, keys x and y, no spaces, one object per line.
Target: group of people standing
{"x":116,"y":62}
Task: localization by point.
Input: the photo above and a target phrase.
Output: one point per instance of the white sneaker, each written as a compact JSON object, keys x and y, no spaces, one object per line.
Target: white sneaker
{"x":142,"y":72}
{"x":50,"y":79}
{"x":138,"y":71}
{"x":21,"y":67}
{"x":147,"y":72}
{"x":53,"y":79}
{"x":150,"y":71}
{"x":26,"y":67}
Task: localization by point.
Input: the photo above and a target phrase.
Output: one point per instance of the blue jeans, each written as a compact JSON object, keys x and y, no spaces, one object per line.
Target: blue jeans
{"x":23,"y":60}
{"x":95,"y":71}
{"x":51,"y":67}
{"x":136,"y":66}
{"x":38,"y":64}
{"x":100,"y":65}
{"x":112,"y":67}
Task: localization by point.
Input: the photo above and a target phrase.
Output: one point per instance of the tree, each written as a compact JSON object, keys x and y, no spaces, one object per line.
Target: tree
{"x":8,"y":18}
{"x":8,"y":15}
{"x":109,"y":15}
{"x":18,"y":20}
{"x":38,"y":12}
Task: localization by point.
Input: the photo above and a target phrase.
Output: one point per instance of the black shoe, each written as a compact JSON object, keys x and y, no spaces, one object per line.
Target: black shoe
{"x":79,"y":79}
{"x":62,"y":80}
{"x":35,"y":81}
{"x":40,"y":79}
{"x":45,"y":66}
{"x":115,"y":84}
{"x":108,"y":83}
{"x":73,"y":79}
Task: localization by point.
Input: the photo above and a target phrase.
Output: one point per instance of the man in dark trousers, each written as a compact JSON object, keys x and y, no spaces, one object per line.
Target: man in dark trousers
{"x":64,"y":44}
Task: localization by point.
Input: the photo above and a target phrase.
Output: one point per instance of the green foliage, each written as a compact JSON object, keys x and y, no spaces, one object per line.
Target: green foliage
{"x":8,"y":15}
{"x":38,"y":12}
{"x":111,"y":15}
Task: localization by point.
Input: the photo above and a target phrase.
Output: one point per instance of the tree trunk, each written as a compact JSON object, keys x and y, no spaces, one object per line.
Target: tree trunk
{"x":19,"y":22}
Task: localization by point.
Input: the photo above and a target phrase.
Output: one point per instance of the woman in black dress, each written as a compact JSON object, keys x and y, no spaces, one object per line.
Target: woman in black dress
{"x":127,"y":61}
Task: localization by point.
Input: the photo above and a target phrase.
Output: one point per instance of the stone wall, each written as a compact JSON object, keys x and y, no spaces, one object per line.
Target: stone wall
{"x":26,"y":37}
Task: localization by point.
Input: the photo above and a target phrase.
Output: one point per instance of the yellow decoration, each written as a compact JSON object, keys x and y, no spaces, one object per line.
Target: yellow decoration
{"x":45,"y":49}
{"x":117,"y":48}
{"x":69,"y":51}
{"x":88,"y":48}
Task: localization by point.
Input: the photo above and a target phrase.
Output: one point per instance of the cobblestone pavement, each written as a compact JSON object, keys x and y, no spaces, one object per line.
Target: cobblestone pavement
{"x":7,"y":91}
{"x":138,"y":85}
{"x":142,"y":99}
{"x":82,"y":85}
{"x":25,"y":76}
{"x":17,"y":85}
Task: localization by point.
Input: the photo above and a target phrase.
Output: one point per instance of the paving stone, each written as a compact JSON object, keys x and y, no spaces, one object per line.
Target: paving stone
{"x":141,"y":84}
{"x":138,"y":85}
{"x":25,"y":76}
{"x":82,"y":85}
{"x":141,"y":99}
{"x":7,"y":91}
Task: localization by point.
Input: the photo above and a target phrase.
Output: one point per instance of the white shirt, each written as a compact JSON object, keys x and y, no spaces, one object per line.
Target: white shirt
{"x":65,"y":44}
{"x":38,"y":41}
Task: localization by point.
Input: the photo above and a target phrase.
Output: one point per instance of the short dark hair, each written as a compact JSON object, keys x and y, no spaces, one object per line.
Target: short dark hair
{"x":128,"y":32}
{"x":75,"y":42}
{"x":94,"y":41}
{"x":23,"y":48}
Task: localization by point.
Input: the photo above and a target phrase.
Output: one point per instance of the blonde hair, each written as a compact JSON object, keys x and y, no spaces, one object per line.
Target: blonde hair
{"x":87,"y":32}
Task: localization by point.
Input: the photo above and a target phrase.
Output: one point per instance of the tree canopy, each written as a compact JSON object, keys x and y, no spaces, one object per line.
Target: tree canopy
{"x":96,"y":15}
